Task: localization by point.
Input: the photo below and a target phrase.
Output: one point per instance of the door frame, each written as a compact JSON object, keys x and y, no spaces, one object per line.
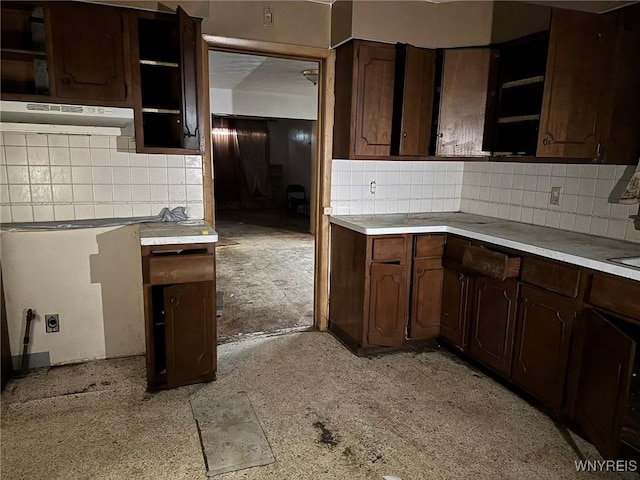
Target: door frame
{"x":320,"y":172}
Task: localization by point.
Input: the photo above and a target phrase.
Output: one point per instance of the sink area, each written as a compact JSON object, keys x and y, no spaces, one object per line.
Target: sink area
{"x":629,"y":261}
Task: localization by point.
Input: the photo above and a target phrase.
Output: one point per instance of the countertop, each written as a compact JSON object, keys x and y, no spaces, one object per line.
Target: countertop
{"x":167,"y":233}
{"x":576,"y":248}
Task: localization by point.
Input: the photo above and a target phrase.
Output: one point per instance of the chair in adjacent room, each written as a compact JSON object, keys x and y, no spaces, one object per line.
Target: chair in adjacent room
{"x":297,"y":200}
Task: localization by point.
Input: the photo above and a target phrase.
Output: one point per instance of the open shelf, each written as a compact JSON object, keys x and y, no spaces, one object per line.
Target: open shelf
{"x":24,"y":67}
{"x":523,"y":81}
{"x":157,"y":63}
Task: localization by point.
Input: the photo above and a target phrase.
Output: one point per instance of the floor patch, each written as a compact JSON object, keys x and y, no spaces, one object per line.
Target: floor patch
{"x":230,"y":433}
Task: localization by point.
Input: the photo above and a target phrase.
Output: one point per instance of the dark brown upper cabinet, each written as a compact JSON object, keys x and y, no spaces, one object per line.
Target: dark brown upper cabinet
{"x":384,"y":100}
{"x":65,"y":52}
{"x":413,"y":100}
{"x":364,"y":100}
{"x":25,"y":47}
{"x":89,"y":53}
{"x":166,"y":57}
{"x":576,"y":91}
{"x":463,"y":102}
{"x":514,"y":101}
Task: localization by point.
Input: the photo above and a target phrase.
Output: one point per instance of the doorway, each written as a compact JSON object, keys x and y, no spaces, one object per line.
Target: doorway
{"x":264,"y":122}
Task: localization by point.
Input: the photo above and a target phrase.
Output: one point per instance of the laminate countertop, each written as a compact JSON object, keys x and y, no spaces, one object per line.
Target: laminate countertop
{"x":579,"y":249}
{"x":169,"y":233}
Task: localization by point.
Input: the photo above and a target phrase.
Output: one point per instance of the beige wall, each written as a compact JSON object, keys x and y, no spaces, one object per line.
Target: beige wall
{"x":90,"y":277}
{"x":295,"y":22}
{"x":513,"y":20}
{"x":422,"y":24}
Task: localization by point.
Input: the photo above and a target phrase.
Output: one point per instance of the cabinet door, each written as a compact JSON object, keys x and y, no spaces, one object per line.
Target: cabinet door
{"x":453,"y":318}
{"x":88,"y":50}
{"x":577,"y":83}
{"x":387,"y":304}
{"x":414,"y":85}
{"x":189,"y":46}
{"x":493,"y":323}
{"x":541,"y":347}
{"x":606,"y":365}
{"x":374,"y":97}
{"x":190,"y":332}
{"x":463,"y":101}
{"x":426,"y":299}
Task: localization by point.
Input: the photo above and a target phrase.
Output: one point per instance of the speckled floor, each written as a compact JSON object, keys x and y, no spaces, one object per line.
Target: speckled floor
{"x":267,"y":276}
{"x":326,"y":414}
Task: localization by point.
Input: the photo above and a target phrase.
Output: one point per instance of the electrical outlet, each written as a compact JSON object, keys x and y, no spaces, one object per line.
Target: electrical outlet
{"x":52,"y":322}
{"x":372,"y":187}
{"x":554,"y":199}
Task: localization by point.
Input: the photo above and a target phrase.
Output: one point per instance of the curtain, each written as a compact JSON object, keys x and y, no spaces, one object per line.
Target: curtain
{"x":226,"y":160}
{"x":253,"y":145}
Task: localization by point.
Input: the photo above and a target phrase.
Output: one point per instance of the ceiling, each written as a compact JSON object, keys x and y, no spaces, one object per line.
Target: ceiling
{"x":234,"y":71}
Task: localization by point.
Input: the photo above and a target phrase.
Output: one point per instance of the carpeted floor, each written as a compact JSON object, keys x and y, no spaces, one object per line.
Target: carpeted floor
{"x":326,"y":413}
{"x":266,"y":277}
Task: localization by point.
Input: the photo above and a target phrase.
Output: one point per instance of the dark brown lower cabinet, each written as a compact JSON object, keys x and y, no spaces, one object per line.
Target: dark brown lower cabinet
{"x":453,"y":317}
{"x":189,"y":315}
{"x":388,"y":304}
{"x":492,"y":322}
{"x":602,"y":401}
{"x":426,"y":298}
{"x":541,"y":347}
{"x":180,"y":314}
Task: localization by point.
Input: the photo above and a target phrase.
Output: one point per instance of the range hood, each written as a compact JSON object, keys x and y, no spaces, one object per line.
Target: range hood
{"x":66,"y":119}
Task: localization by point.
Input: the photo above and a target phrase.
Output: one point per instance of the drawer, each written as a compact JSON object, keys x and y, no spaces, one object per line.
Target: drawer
{"x":550,"y":275}
{"x":170,"y":269}
{"x":454,"y":248}
{"x":615,"y":294}
{"x":389,"y":249}
{"x":492,"y":264}
{"x":429,"y":246}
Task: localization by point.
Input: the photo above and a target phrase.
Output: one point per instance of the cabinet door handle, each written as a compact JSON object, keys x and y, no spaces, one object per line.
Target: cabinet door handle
{"x":440,"y":135}
{"x":420,"y":271}
{"x":404,"y":134}
{"x":461,"y":276}
{"x":66,"y":81}
{"x":173,"y":301}
{"x":547,"y":141}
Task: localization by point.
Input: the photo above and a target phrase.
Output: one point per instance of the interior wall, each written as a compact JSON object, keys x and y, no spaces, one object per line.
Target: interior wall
{"x":423,"y":24}
{"x":93,"y":284}
{"x":513,"y":20}
{"x":290,"y":146}
{"x":295,"y":22}
{"x":262,"y":104}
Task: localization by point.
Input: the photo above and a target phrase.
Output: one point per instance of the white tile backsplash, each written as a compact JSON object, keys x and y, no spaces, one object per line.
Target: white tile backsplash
{"x":515,"y":191}
{"x":588,"y":196}
{"x":400,"y":187}
{"x":66,"y":177}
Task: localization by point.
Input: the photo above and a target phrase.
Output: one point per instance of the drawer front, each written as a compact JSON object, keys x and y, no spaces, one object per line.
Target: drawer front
{"x":493,"y":264}
{"x":164,"y":270}
{"x":550,"y":275}
{"x":389,"y":249}
{"x":615,"y":294}
{"x":429,"y":246}
{"x":454,"y":248}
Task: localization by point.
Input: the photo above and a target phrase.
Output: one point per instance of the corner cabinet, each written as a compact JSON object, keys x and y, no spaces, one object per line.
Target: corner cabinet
{"x":167,"y":65}
{"x":180,"y":314}
{"x":463,"y":101}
